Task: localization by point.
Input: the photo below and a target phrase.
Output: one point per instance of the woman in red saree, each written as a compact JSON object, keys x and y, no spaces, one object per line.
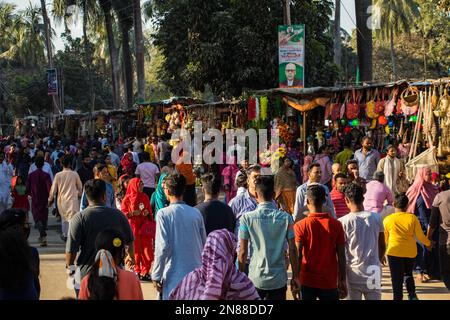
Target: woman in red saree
{"x":128,"y":165}
{"x":136,"y":206}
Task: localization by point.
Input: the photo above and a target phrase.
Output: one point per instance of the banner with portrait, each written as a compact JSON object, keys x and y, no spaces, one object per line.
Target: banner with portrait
{"x":52,"y":82}
{"x":291,"y":56}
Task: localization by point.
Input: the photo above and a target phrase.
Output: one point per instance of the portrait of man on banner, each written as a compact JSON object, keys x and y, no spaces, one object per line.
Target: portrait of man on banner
{"x":291,"y":56}
{"x":293,"y":80}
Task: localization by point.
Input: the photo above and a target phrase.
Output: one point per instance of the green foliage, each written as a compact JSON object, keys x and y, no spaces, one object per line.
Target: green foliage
{"x":76,"y":85}
{"x":232,"y":45}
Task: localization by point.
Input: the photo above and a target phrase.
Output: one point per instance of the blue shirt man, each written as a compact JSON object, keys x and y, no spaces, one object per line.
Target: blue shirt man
{"x":180,"y":237}
{"x":367,"y":158}
{"x":268,"y":229}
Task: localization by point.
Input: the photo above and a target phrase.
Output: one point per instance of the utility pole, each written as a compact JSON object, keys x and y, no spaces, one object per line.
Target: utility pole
{"x":287,"y":12}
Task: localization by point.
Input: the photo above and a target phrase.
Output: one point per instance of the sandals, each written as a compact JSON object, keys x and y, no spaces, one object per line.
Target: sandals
{"x":146,"y":278}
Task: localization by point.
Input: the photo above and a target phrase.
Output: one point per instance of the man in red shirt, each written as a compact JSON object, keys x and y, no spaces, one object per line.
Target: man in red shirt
{"x":320,"y":243}
{"x":337,"y":195}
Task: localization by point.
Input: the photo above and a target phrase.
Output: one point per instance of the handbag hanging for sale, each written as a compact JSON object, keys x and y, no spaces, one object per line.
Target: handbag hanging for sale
{"x":335,"y":109}
{"x":353,"y":106}
{"x":380,"y":102}
{"x":390,"y":106}
{"x":370,"y":105}
{"x":410,"y":101}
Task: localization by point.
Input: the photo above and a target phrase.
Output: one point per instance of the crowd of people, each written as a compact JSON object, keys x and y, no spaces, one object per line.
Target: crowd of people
{"x":130,"y":214}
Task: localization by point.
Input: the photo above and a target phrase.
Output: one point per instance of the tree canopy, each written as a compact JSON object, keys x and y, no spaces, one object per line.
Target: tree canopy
{"x":232,"y":45}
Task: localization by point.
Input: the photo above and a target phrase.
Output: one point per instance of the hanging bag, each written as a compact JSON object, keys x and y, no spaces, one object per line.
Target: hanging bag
{"x":410,"y":101}
{"x":381,"y":102}
{"x":390,"y":106}
{"x":370,"y":105}
{"x":353,"y":106}
{"x":335,"y":110}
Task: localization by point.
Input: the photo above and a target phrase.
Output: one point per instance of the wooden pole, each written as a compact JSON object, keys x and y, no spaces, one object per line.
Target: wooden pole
{"x":304,"y":134}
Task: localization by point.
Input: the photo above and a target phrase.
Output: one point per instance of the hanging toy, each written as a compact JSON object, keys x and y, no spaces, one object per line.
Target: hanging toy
{"x":264,"y":106}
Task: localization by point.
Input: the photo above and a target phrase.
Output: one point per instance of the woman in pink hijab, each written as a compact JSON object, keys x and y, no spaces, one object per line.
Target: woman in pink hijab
{"x":421,"y":196}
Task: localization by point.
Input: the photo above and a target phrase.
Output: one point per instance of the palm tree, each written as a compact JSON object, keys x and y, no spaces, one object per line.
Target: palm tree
{"x":113,"y":51}
{"x":396,"y":16}
{"x":364,"y":39}
{"x":22,"y":38}
{"x":124,"y":11}
{"x":139,"y":44}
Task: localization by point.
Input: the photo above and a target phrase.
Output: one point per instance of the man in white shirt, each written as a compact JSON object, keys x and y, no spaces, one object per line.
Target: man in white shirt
{"x":365,"y":247}
{"x":6,"y":174}
{"x":46,"y":168}
{"x":148,"y":172}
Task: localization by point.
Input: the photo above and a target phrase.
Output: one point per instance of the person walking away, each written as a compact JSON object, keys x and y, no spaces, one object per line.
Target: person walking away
{"x":229,"y":178}
{"x":320,"y":241}
{"x":19,"y":270}
{"x":338,"y":196}
{"x":86,"y":226}
{"x":38,"y":187}
{"x":314,"y":174}
{"x":286,"y":186}
{"x":367,"y":158}
{"x":440,"y":218}
{"x":6,"y":174}
{"x":401,"y":230}
{"x":136,"y":206}
{"x":67,"y":185}
{"x":365,"y":247}
{"x":107,"y":280}
{"x":115,"y":160}
{"x":148,"y":172}
{"x":216,"y":214}
{"x":393,"y":169}
{"x":345,"y":155}
{"x":180,"y":237}
{"x":101,"y":172}
{"x":421,"y":195}
{"x":47,"y":168}
{"x":377,"y":194}
{"x":217,"y":278}
{"x":267,"y":228}
{"x":163,"y":147}
{"x":19,"y":194}
{"x":186,"y":169}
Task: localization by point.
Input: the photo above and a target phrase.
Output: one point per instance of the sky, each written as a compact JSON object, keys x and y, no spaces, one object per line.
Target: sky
{"x":347,"y":19}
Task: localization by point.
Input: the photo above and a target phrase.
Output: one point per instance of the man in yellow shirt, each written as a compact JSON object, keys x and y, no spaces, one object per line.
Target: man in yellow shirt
{"x":150,"y":150}
{"x":401,"y":229}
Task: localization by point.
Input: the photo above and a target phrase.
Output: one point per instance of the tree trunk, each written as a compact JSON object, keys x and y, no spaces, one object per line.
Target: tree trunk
{"x":364,"y":39}
{"x":128,"y":65}
{"x":394,"y":65}
{"x":139,"y":43}
{"x":287,"y":12}
{"x":88,"y":58}
{"x":425,"y":49}
{"x":337,"y":33}
{"x":114,"y":57}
